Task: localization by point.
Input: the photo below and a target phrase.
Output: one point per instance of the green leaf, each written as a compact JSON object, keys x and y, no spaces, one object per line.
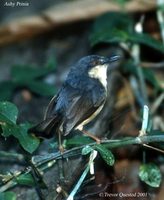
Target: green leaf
{"x":8,"y":117}
{"x":111,"y":20}
{"x":114,"y":36}
{"x":25,"y":179}
{"x":41,"y":88}
{"x":146,"y":39}
{"x":116,"y":27}
{"x":20,"y":72}
{"x":148,"y":74}
{"x":118,"y":36}
{"x":150,"y":174}
{"x":8,"y":112}
{"x":7,"y":129}
{"x":6,"y":88}
{"x":27,"y":141}
{"x":105,"y":154}
{"x":151,"y":78}
{"x":86,"y":150}
{"x":77,"y":141}
{"x":51,"y":63}
{"x":111,"y":27}
{"x":38,"y":87}
{"x":27,"y":76}
{"x":7,"y":196}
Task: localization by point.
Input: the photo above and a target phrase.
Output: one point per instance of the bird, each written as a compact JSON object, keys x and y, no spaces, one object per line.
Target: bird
{"x":80,"y":98}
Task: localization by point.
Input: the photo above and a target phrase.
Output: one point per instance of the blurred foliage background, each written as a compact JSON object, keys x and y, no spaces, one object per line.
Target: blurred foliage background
{"x":39,"y":41}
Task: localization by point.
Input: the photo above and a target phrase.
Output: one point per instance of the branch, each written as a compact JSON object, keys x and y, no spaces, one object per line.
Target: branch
{"x":39,"y":161}
{"x":111,"y":144}
{"x":152,"y":65}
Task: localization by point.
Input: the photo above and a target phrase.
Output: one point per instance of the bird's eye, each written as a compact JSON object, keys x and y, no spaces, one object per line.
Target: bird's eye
{"x":94,"y":63}
{"x":102,"y":61}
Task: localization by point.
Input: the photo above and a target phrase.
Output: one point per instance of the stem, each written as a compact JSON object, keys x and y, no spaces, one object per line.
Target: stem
{"x":84,"y":174}
{"x":111,"y":144}
{"x":134,"y":141}
{"x":136,"y":57}
{"x":40,"y":160}
{"x":77,"y":186}
{"x":160,"y":17}
{"x":145,"y":121}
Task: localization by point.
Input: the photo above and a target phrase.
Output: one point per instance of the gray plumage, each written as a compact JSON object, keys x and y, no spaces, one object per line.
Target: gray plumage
{"x":80,"y":98}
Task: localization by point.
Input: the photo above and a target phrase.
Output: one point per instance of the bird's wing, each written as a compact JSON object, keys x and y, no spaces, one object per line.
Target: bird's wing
{"x":48,"y":127}
{"x":50,"y":107}
{"x":43,"y":129}
{"x":81,"y":106}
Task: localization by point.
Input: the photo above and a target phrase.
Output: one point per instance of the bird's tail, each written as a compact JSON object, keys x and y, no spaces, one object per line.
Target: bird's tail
{"x":47,"y":128}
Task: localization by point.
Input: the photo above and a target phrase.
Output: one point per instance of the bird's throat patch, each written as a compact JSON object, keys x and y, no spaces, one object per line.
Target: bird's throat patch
{"x":99,"y":72}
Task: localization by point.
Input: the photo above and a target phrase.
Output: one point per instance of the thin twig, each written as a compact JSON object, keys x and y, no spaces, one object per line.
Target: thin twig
{"x":154,"y":148}
{"x":145,"y":120}
{"x":160,"y":17}
{"x":152,"y":65}
{"x":135,"y":88}
{"x":157,"y":103}
{"x":136,"y":57}
{"x":84,"y":174}
{"x":143,"y":130}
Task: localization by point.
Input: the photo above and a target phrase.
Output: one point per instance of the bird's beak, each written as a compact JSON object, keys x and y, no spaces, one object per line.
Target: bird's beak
{"x":111,"y":61}
{"x":114,"y":58}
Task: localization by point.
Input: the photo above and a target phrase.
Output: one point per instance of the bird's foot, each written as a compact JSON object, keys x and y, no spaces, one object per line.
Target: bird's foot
{"x":61,"y":149}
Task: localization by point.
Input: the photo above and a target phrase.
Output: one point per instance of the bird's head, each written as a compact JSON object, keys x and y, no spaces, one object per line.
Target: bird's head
{"x":97,"y":63}
{"x":96,"y":66}
{"x":93,"y":61}
{"x":93,"y":67}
